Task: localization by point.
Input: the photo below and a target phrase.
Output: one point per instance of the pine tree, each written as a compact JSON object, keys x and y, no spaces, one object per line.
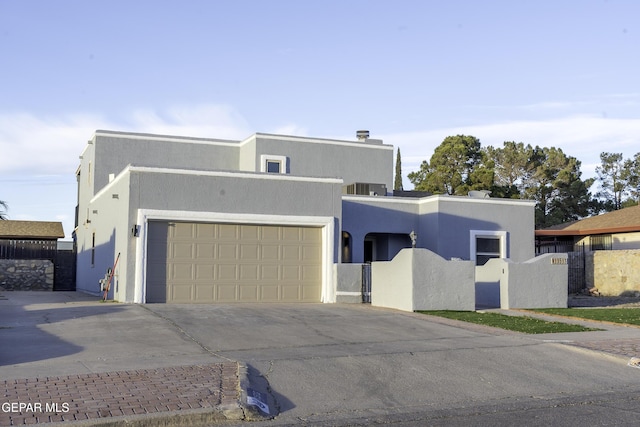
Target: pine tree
{"x":397,"y":183}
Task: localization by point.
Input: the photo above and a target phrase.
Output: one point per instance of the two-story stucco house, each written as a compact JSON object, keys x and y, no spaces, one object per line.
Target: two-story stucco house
{"x":264,"y":219}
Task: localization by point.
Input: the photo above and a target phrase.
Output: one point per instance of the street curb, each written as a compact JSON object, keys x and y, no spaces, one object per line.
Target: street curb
{"x":250,"y":379}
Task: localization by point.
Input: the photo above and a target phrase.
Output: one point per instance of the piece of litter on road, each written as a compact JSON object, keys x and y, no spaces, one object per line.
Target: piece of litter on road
{"x":634,"y":362}
{"x":256,"y":398}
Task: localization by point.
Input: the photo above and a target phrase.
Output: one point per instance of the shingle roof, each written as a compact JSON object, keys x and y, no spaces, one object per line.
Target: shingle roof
{"x":621,"y":221}
{"x":10,"y":229}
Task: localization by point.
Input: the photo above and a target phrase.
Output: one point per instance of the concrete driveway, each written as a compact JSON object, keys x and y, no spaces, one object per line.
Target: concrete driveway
{"x":326,"y":364}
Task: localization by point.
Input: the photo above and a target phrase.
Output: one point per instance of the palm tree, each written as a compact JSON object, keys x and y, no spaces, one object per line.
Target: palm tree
{"x":5,"y":208}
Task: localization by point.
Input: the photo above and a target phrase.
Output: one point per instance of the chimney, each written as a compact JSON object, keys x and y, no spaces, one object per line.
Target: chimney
{"x":362,"y":135}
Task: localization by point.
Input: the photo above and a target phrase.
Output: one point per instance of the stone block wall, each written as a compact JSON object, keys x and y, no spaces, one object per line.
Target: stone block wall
{"x":26,"y":274}
{"x":613,"y":273}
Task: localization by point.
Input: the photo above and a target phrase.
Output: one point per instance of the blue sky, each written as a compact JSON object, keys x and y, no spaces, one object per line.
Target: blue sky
{"x":555,"y":73}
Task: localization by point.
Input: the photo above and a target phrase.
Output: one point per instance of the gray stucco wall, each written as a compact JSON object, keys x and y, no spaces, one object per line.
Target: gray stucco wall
{"x":442,"y":223}
{"x":446,"y":222}
{"x":115,"y":151}
{"x":236,"y":193}
{"x":348,"y":283}
{"x":350,"y":161}
{"x":362,"y":215}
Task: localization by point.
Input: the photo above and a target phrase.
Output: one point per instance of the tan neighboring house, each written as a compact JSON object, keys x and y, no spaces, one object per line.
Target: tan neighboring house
{"x":617,"y":230}
{"x":604,"y":251}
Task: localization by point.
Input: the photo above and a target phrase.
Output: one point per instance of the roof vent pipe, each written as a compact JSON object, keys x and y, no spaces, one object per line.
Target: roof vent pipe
{"x":362,"y":135}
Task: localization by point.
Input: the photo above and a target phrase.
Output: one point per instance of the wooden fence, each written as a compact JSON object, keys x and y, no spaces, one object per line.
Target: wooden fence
{"x":28,"y":249}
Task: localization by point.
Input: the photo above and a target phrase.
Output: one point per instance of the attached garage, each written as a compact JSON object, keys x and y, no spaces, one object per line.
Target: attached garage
{"x":193,"y":262}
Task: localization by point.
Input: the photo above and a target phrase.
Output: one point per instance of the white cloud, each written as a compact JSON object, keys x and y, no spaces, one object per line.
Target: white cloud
{"x":207,"y":121}
{"x":51,"y":145}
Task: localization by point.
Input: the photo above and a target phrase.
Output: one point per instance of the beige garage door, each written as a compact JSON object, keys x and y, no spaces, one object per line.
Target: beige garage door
{"x":200,"y":262}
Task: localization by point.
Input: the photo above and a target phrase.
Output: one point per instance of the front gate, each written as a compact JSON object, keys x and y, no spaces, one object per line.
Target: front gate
{"x":577,"y":268}
{"x":366,"y":283}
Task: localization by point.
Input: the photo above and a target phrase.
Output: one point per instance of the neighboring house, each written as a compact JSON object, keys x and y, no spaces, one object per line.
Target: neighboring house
{"x":29,"y":239}
{"x":28,"y":253}
{"x":615,"y":230}
{"x":264,"y":219}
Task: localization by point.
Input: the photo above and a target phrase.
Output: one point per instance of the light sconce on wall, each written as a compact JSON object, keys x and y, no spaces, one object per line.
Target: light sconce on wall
{"x":135,"y":230}
{"x":414,"y":237}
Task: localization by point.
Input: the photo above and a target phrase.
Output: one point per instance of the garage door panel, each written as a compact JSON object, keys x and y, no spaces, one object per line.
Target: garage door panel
{"x":310,"y":293}
{"x":269,"y":273}
{"x":249,"y":233}
{"x":270,"y":233}
{"x":226,"y":292}
{"x":228,"y":232}
{"x":248,"y":272}
{"x":181,"y":293}
{"x":291,"y":272}
{"x":309,"y":273}
{"x":205,"y":293}
{"x":182,"y":251}
{"x":248,"y":293}
{"x":205,"y":272}
{"x":194,"y":262}
{"x":227,"y":251}
{"x":182,"y":230}
{"x":179,"y":272}
{"x":249,"y":252}
{"x":291,"y":253}
{"x":205,"y":231}
{"x":205,"y":251}
{"x":290,"y":293}
{"x":269,"y":252}
{"x":227,"y":272}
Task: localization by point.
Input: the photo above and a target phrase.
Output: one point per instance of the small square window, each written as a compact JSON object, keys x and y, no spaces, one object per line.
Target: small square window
{"x":272,"y":163}
{"x":273,"y":166}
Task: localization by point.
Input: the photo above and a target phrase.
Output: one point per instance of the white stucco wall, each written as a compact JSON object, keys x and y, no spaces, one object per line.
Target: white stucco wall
{"x":418,"y":279}
{"x":541,"y":282}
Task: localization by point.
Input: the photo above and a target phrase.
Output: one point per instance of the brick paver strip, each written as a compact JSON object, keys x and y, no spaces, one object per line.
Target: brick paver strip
{"x":622,"y":347}
{"x":111,"y":394}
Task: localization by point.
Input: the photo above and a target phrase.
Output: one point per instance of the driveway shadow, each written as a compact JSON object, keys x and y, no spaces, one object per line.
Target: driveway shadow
{"x":26,"y":329}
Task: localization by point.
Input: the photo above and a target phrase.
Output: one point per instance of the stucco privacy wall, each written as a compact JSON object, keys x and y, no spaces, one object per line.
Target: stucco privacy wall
{"x":418,"y":279}
{"x":540,"y":282}
{"x":613,"y":273}
{"x":348,"y":283}
{"x":26,"y":274}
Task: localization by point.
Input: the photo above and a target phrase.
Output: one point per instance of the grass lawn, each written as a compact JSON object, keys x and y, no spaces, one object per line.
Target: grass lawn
{"x":630,"y":316}
{"x":524,"y":324}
